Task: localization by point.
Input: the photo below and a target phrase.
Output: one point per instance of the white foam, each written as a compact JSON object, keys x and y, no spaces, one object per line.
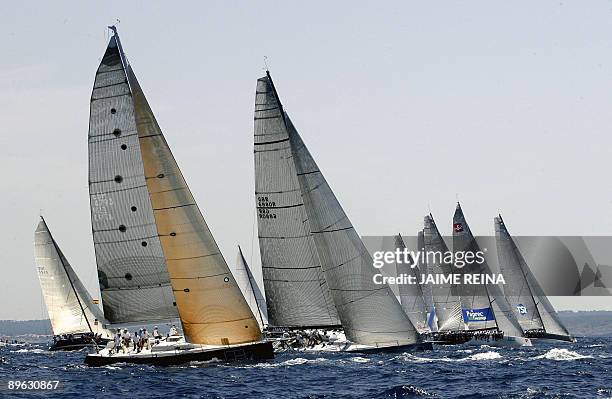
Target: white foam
{"x":484,"y":356}
{"x":561,"y":354}
{"x":359,"y":359}
{"x":37,"y":350}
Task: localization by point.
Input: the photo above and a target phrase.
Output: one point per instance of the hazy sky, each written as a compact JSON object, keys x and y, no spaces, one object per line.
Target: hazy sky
{"x":405,"y":105}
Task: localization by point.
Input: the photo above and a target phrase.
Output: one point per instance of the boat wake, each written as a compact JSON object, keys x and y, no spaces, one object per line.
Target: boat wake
{"x":490,"y":355}
{"x":560,"y":355}
{"x":35,"y":350}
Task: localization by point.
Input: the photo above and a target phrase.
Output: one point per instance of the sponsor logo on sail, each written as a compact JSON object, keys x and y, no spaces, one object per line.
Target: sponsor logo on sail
{"x":471,"y":315}
{"x":522,"y":309}
{"x":457,"y":227}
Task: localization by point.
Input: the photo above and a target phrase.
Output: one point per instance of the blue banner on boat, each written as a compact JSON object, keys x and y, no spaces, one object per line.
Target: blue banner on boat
{"x":472,"y":315}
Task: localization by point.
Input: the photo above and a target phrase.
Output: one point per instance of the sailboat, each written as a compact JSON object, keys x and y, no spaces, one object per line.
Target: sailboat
{"x":250,"y":289}
{"x":411,"y":296}
{"x":449,"y":325}
{"x":486,"y":312}
{"x":371,"y":316}
{"x":531,"y":306}
{"x":156,"y":256}
{"x":76,"y":320}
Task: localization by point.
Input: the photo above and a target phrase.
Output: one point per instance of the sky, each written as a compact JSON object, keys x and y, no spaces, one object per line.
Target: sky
{"x":407,"y":106}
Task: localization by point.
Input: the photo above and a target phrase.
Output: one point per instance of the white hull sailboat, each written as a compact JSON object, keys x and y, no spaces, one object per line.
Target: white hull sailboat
{"x":156,"y":257}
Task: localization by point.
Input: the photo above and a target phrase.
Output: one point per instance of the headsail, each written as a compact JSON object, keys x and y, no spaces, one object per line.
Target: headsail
{"x":297,"y":294}
{"x":411,"y":295}
{"x":210,"y":304}
{"x":446,"y":298}
{"x":530,"y":304}
{"x":370,"y":313}
{"x":250,"y":289}
{"x":70,"y":307}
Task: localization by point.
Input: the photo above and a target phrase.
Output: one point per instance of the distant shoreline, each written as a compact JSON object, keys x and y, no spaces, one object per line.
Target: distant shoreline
{"x":583,"y":323}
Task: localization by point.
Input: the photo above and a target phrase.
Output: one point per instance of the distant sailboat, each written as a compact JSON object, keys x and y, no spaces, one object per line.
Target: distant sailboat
{"x":485,"y":309}
{"x":370,"y":314}
{"x":250,"y":289}
{"x":446,"y":298}
{"x":532,"y":308}
{"x":411,"y":296}
{"x":155,"y":254}
{"x":76,"y":321}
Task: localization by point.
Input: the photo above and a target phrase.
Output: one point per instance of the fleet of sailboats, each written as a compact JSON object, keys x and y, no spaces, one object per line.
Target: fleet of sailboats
{"x":157,"y":260}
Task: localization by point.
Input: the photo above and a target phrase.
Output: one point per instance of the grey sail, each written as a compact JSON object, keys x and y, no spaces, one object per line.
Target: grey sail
{"x":475,"y":301}
{"x":370,"y":313}
{"x":297,"y":294}
{"x":513,"y":267}
{"x":411,"y":295}
{"x":133,"y":277}
{"x":501,"y":311}
{"x":432,"y":324}
{"x":250,"y":289}
{"x":544,"y":315}
{"x":446,"y":299}
{"x":71,"y":308}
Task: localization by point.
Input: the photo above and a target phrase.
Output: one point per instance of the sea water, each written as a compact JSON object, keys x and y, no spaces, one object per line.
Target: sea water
{"x":551,"y":370}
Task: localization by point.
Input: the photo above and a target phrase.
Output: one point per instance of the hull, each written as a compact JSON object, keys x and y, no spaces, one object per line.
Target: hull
{"x":543,"y":337}
{"x":229,"y":353}
{"x":76,"y":344}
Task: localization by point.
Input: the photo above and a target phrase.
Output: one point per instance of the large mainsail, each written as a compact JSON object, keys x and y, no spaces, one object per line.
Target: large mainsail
{"x":297,"y":294}
{"x":530,"y":304}
{"x":447,"y":302}
{"x":411,"y":296}
{"x":155,"y":228}
{"x":487,"y":303}
{"x":250,"y":289}
{"x":370,"y":313}
{"x":71,"y":309}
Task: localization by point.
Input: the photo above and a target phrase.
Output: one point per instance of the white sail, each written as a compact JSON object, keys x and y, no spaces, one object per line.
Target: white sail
{"x":446,"y":299}
{"x":71,"y":308}
{"x":297,"y":294}
{"x":370,"y":313}
{"x":250,"y":289}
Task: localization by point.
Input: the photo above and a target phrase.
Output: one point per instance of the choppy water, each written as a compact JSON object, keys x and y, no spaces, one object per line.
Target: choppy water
{"x":581,"y":370}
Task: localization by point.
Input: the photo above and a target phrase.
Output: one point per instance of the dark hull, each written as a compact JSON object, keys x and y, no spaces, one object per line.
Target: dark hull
{"x":77,"y":344}
{"x":556,"y":337}
{"x":258,"y":351}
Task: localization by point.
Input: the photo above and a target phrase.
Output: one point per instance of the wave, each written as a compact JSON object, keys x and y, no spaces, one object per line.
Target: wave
{"x":36,"y":350}
{"x":490,"y":355}
{"x":560,"y":355}
{"x":405,"y":391}
{"x":287,"y":363}
{"x":359,"y":359}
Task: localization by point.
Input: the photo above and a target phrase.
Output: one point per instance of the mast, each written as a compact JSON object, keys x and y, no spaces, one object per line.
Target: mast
{"x":251,"y":278}
{"x":67,"y":274}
